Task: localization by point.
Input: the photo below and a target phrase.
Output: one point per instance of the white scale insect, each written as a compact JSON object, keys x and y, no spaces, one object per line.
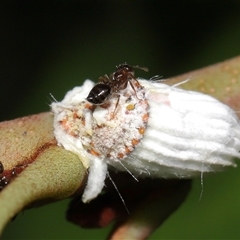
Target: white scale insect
{"x":148,"y":129}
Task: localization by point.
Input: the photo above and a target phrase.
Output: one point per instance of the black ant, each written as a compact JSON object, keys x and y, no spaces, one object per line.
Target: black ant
{"x":109,"y":85}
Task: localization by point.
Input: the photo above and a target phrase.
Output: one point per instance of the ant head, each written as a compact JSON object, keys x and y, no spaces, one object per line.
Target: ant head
{"x":124,"y":72}
{"x":124,"y":67}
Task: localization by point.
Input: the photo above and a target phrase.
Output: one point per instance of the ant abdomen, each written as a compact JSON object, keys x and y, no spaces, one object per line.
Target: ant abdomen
{"x":99,"y":94}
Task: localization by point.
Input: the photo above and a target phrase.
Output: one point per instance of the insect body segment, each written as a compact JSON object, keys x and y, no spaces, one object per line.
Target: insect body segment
{"x":99,"y":93}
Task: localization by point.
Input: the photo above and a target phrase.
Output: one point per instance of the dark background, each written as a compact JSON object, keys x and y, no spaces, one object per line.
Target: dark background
{"x":50,"y":47}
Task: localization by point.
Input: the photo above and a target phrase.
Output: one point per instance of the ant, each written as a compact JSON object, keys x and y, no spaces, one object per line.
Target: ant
{"x":113,"y":84}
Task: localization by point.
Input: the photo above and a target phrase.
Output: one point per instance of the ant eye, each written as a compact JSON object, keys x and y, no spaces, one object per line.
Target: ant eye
{"x":128,"y":67}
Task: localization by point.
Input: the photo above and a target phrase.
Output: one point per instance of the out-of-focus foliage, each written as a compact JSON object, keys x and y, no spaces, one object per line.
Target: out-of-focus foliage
{"x":53,"y":46}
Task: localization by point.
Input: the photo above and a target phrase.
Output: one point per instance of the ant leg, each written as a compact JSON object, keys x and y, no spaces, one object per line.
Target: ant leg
{"x":139,"y":85}
{"x":104,"y":79}
{"x":118,"y":98}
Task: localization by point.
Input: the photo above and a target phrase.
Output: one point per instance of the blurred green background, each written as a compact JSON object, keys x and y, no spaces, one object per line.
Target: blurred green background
{"x":50,"y":47}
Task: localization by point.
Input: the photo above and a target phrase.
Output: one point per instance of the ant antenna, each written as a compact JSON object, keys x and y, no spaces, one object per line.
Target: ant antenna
{"x":142,"y":68}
